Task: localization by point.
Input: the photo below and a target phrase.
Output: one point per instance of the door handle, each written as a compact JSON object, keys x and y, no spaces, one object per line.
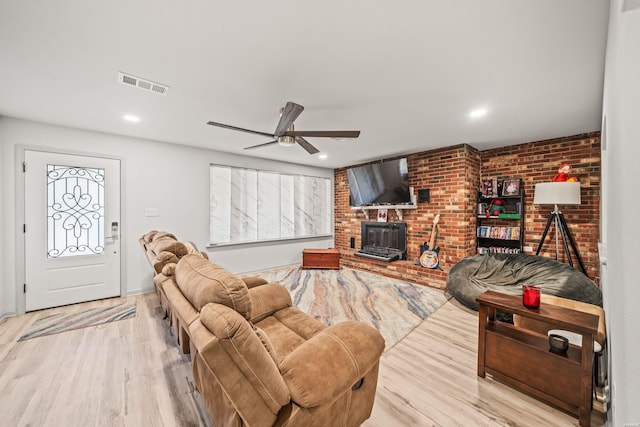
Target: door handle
{"x":114,"y":231}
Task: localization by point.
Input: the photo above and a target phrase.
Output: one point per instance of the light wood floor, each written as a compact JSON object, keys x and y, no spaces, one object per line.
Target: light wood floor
{"x":130,"y":373}
{"x":430,"y":379}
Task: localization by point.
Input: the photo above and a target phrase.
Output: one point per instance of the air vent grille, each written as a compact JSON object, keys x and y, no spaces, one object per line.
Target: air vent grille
{"x":148,"y":85}
{"x":162,"y":90}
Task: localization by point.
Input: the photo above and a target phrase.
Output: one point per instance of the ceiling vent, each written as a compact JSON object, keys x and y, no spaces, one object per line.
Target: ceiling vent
{"x":129,"y":80}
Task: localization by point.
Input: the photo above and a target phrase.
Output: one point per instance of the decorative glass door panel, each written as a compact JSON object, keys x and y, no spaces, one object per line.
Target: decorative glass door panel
{"x":75,"y":211}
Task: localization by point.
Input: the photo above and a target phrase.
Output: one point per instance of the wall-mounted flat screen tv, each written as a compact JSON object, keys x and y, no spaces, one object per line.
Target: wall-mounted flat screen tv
{"x":383,"y":183}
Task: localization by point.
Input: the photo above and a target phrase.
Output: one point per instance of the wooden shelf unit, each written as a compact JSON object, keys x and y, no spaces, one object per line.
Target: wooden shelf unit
{"x":513,"y":220}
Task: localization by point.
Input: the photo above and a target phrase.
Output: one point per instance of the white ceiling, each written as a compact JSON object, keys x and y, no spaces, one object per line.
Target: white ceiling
{"x":405,"y":73}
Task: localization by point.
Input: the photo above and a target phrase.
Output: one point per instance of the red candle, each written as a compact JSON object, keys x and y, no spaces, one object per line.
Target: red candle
{"x":531,"y":296}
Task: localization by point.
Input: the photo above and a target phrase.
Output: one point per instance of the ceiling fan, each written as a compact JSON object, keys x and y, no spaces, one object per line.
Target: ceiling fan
{"x":285,"y":133}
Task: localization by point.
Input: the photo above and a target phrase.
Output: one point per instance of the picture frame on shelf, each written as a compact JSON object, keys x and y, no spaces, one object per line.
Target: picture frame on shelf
{"x":490,"y":188}
{"x":511,"y":187}
{"x":383,"y":215}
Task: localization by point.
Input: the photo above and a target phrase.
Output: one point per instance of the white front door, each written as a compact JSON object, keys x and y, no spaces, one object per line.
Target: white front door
{"x":72,"y":229}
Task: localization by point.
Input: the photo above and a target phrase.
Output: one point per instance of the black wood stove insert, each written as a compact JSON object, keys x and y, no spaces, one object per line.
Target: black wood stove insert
{"x":384,"y":241}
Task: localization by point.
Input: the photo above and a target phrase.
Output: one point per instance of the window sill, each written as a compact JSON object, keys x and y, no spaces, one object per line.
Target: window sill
{"x":268,"y":241}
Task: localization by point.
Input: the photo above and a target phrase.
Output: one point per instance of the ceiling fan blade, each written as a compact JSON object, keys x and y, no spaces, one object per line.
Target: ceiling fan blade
{"x":307,"y":145}
{"x":324,"y":133}
{"x":260,"y":145}
{"x":289,"y":115}
{"x":240,"y":129}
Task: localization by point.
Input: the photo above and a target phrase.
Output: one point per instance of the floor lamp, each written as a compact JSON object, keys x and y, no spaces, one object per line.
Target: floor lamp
{"x":559,"y":193}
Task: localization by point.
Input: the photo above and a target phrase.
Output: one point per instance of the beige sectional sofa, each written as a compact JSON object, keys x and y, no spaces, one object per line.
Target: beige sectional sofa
{"x":259,"y":361}
{"x":163,"y":251}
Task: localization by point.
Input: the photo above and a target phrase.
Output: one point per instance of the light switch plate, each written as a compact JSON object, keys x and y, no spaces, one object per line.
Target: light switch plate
{"x":151,"y":212}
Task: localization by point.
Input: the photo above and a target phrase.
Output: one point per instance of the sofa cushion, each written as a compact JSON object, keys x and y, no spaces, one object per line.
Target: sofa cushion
{"x":161,"y":234}
{"x":253,"y":281}
{"x":331,"y":362}
{"x":250,"y":353}
{"x":180,"y":306}
{"x":147,"y":237}
{"x":166,"y":244}
{"x":203,"y":282}
{"x":288,"y":328}
{"x":266,"y":342}
{"x":267,"y":299}
{"x":191,"y":248}
{"x":166,"y":257}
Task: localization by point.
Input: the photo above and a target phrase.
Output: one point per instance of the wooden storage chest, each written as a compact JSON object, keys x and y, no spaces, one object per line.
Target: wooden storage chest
{"x":321,"y":258}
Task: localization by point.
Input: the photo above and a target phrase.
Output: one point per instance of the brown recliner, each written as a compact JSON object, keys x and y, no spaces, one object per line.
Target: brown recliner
{"x":163,"y":249}
{"x":185,"y":300}
{"x":258,"y":361}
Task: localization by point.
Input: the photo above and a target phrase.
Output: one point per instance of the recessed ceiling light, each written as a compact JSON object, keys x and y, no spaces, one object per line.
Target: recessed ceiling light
{"x":480,"y":112}
{"x":130,"y":118}
{"x":322,"y":156}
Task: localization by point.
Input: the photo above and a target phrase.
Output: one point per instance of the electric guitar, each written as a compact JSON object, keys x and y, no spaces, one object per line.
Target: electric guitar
{"x":429,"y":258}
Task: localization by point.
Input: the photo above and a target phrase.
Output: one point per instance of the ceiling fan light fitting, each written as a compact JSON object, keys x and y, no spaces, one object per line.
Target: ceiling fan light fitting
{"x":286,"y":141}
{"x":286,"y":135}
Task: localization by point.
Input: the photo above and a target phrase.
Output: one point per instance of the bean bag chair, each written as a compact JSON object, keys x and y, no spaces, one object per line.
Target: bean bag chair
{"x":507,"y":273}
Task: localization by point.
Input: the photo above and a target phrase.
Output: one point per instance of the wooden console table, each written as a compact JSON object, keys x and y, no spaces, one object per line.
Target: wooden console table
{"x":321,"y":258}
{"x":522,"y":358}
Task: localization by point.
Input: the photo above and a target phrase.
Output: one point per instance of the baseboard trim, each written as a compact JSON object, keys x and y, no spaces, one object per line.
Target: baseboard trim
{"x":7,"y":315}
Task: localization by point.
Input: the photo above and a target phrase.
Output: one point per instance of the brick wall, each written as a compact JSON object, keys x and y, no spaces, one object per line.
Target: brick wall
{"x":453,"y":175}
{"x":537,"y":162}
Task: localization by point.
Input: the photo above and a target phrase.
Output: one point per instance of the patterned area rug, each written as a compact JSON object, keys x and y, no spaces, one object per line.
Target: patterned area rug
{"x":57,"y":323}
{"x":393,"y":307}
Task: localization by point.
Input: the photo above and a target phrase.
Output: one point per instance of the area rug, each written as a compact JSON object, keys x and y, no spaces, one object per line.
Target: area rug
{"x":56,"y":323}
{"x":394,"y":307}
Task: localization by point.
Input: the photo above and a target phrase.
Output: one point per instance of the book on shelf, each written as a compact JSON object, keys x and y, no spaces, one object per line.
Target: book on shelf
{"x":497,"y":250}
{"x":495,"y":232}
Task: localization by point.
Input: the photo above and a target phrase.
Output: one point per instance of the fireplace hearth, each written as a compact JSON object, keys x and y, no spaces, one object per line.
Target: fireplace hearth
{"x":383,"y":241}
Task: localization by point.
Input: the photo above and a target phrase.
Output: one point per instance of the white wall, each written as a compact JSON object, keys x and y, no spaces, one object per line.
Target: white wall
{"x":4,"y":175}
{"x":620,"y":208}
{"x":172,"y":178}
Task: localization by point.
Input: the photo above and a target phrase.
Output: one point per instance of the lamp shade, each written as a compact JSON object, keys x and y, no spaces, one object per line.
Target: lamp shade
{"x":557,"y":193}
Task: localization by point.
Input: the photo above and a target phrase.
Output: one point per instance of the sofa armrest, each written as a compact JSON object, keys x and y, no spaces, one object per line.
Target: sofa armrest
{"x":267,"y":299}
{"x":163,"y":258}
{"x":180,"y":305}
{"x":169,"y":269}
{"x":164,"y":275}
{"x":253,"y":281}
{"x":331,"y":362}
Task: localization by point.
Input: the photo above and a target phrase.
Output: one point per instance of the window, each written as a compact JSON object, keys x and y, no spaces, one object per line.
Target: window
{"x":248,"y":205}
{"x":75,"y":211}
